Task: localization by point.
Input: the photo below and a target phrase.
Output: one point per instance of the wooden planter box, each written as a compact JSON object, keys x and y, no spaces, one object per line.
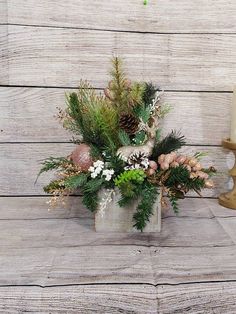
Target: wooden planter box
{"x":113,"y":218}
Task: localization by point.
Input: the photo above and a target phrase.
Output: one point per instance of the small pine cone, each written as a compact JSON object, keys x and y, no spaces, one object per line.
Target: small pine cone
{"x":129,"y":123}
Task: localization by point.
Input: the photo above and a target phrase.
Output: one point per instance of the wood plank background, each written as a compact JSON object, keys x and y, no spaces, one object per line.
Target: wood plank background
{"x":188,"y":49}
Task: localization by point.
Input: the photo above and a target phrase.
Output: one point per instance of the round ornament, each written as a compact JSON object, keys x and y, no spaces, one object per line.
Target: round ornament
{"x":81,"y":157}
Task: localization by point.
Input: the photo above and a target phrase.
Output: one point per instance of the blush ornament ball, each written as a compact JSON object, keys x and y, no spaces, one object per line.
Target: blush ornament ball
{"x":81,"y":157}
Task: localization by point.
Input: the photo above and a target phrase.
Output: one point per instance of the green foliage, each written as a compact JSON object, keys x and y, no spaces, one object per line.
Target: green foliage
{"x":180,"y":177}
{"x":92,"y":116}
{"x":124,"y":138}
{"x":158,"y":135}
{"x":165,"y":109}
{"x":148,"y":197}
{"x":129,"y":183}
{"x":93,"y":185}
{"x":124,"y":95}
{"x":142,"y":113}
{"x":126,"y":200}
{"x":90,"y":200}
{"x":136,"y":93}
{"x":52,"y":163}
{"x":170,"y":143}
{"x":139,"y":138}
{"x":149,"y":93}
{"x":115,"y":163}
{"x":134,"y":175}
{"x":90,"y":193}
{"x":75,"y":181}
{"x":174,"y":203}
{"x":95,"y":151}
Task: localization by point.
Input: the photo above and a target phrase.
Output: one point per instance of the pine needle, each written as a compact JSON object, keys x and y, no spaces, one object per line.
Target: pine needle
{"x":171,"y":142}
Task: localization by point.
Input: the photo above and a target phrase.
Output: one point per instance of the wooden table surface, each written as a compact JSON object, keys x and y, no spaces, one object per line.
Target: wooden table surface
{"x":54,"y":262}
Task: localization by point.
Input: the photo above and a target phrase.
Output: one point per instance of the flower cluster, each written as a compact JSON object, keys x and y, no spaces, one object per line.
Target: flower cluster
{"x":98,"y":168}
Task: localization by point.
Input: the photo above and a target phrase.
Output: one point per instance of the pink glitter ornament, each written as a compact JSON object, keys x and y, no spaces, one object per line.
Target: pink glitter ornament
{"x":81,"y":157}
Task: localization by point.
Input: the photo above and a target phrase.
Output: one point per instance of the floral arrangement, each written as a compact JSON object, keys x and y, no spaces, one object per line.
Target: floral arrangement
{"x":119,"y":147}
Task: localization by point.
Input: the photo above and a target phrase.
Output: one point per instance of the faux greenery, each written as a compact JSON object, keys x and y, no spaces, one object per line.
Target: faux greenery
{"x":119,"y":146}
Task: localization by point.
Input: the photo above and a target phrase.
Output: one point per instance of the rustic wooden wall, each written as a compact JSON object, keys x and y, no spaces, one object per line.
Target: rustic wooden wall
{"x":186,"y":47}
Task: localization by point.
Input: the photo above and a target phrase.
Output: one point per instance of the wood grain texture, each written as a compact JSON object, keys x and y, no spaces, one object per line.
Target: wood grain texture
{"x":76,"y":232}
{"x":116,"y":264}
{"x":30,"y":215}
{"x":197,"y":298}
{"x":4,"y":76}
{"x":20,"y":164}
{"x":28,"y":115}
{"x":3,"y":12}
{"x":106,"y":299}
{"x":19,"y":208}
{"x":113,"y":299}
{"x":162,"y":16}
{"x":37,"y":57}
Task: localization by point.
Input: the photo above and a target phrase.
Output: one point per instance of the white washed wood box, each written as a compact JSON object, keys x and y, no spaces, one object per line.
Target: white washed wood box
{"x":110,"y":217}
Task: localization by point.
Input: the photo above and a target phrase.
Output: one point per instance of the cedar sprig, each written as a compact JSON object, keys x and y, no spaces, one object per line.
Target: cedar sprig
{"x":53,"y":163}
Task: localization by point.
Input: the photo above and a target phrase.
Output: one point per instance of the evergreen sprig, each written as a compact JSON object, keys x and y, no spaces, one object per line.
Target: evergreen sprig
{"x":149,"y":93}
{"x":90,"y":200}
{"x":53,"y":163}
{"x":171,"y":142}
{"x":75,"y":181}
{"x":174,"y":203}
{"x":148,"y":197}
{"x":124,"y":138}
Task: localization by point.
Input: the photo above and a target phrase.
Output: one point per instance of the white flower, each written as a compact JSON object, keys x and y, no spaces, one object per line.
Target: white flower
{"x":108,"y":173}
{"x":91,"y":169}
{"x":98,"y":163}
{"x":93,"y":175}
{"x":96,"y":169}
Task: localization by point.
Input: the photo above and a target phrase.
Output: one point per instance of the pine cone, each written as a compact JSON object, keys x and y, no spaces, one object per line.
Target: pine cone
{"x":129,"y":123}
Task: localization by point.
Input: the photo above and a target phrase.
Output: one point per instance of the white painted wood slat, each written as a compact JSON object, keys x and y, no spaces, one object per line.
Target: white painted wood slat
{"x":36,"y":57}
{"x":158,"y":16}
{"x":141,"y":299}
{"x":28,"y":115}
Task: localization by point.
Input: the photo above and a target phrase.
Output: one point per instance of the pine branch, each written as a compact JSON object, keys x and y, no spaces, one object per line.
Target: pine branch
{"x":145,"y":208}
{"x":149,"y":93}
{"x":93,"y":185}
{"x":90,"y":200}
{"x":124,"y":138}
{"x":174,"y":203}
{"x":171,"y":142}
{"x":75,"y":181}
{"x":143,"y":113}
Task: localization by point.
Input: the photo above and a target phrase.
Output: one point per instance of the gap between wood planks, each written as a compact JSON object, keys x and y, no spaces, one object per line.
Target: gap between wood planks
{"x":117,"y":30}
{"x":122,"y":283}
{"x":101,"y":88}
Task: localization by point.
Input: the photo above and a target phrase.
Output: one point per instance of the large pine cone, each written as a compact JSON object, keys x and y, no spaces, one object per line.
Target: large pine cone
{"x":129,"y":123}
